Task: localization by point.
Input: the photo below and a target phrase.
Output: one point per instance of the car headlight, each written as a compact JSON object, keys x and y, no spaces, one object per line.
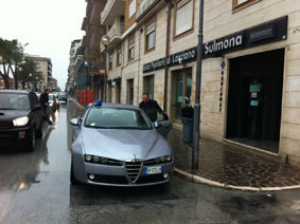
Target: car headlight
{"x":163,"y":159}
{"x":95,"y":159}
{"x":51,"y":104}
{"x":88,"y":158}
{"x":20,"y":121}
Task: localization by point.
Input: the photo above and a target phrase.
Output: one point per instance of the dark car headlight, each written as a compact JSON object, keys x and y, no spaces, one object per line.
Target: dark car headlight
{"x":21,"y":121}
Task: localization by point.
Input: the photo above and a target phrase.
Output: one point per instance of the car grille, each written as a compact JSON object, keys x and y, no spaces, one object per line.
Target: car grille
{"x":151,"y":179}
{"x":110,"y":179}
{"x":5,"y":125}
{"x":133,"y":170}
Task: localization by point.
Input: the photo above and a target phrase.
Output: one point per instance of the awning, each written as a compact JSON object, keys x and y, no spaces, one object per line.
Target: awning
{"x":117,"y":78}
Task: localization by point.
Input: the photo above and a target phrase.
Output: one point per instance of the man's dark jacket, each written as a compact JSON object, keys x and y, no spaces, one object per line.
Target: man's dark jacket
{"x":151,"y":108}
{"x":44,"y":98}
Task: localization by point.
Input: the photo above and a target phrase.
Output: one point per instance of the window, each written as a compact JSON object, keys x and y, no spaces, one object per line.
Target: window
{"x":132,"y":8}
{"x":130,"y":91}
{"x":110,"y":61}
{"x":149,"y":85}
{"x":184,"y":17}
{"x":150,"y":36}
{"x":119,"y":56}
{"x":131,"y":48}
{"x":239,"y":4}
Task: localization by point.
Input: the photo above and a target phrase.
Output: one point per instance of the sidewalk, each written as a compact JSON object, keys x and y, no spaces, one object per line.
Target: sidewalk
{"x":225,"y":166}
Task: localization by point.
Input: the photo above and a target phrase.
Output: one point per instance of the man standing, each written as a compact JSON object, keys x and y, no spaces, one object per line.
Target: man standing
{"x":44,"y":100}
{"x":150,"y":107}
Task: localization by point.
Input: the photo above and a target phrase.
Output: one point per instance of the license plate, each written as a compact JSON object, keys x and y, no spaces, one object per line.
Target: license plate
{"x":154,"y":169}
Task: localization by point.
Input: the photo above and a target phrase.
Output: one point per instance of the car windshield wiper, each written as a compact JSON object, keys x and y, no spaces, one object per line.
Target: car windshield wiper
{"x":7,"y":108}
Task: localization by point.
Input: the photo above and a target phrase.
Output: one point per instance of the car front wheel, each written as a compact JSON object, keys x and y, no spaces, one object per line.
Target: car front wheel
{"x":73,"y":179}
{"x":31,"y":141}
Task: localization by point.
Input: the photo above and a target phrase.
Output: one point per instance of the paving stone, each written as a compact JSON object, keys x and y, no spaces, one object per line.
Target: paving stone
{"x":233,"y":166}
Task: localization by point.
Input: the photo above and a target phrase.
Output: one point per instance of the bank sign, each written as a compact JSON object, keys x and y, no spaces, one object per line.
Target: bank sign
{"x":174,"y":59}
{"x":275,"y":30}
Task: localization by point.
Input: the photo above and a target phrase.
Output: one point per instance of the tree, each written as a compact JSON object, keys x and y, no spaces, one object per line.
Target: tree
{"x":30,"y":73}
{"x":12,"y":53}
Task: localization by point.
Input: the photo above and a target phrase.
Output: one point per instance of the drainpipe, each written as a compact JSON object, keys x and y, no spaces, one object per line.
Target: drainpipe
{"x":168,"y":34}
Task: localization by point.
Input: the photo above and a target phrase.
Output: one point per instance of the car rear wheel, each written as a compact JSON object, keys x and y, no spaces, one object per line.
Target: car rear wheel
{"x":73,"y":179}
{"x":31,"y":142}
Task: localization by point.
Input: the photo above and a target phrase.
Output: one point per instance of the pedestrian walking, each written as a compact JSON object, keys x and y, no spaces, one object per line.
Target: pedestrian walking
{"x":44,"y":101}
{"x":150,"y":107}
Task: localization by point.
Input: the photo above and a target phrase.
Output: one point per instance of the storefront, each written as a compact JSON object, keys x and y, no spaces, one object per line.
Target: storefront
{"x":254,"y":84}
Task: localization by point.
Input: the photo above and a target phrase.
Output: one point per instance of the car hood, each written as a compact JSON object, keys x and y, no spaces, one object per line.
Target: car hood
{"x":125,"y":144}
{"x":9,"y":115}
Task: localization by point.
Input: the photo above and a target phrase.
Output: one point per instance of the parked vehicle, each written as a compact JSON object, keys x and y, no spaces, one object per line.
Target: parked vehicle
{"x":53,"y":105}
{"x":21,"y":119}
{"x":117,"y":145}
{"x":62,"y":97}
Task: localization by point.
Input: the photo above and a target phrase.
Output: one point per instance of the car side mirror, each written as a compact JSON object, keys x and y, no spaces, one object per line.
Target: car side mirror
{"x":157,"y":124}
{"x":74,"y":122}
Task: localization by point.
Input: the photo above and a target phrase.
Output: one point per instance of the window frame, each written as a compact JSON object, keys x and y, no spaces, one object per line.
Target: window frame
{"x":236,"y":7}
{"x":129,"y":2}
{"x":119,"y":54}
{"x":153,"y":20}
{"x":178,"y":36}
{"x":129,"y":49}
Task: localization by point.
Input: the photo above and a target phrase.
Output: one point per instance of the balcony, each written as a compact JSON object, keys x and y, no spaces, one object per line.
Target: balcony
{"x":144,"y":7}
{"x":115,"y":34}
{"x":95,"y":12}
{"x":112,"y":9}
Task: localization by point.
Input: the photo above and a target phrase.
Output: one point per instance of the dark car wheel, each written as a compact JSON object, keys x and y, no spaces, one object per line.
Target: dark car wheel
{"x":31,"y":142}
{"x":73,"y":179}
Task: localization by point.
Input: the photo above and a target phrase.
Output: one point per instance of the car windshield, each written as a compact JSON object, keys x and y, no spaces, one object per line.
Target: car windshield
{"x":116,"y":118}
{"x":14,"y":101}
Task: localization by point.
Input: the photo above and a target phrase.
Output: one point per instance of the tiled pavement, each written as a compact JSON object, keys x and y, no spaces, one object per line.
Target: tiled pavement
{"x":230,"y":166}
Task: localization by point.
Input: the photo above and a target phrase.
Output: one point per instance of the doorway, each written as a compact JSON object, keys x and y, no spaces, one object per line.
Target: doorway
{"x":255,"y":100}
{"x":181,"y":88}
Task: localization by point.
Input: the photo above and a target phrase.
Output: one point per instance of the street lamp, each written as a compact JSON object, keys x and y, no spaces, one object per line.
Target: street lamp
{"x":105,"y":41}
{"x":30,"y":75}
{"x":197,"y":107}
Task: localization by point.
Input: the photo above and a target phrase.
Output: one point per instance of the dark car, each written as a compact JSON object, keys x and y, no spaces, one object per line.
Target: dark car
{"x":21,"y":119}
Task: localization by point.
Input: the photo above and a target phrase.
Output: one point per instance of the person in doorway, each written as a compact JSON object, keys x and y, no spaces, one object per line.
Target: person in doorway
{"x":44,"y":101}
{"x":150,"y":107}
{"x":187,"y":118}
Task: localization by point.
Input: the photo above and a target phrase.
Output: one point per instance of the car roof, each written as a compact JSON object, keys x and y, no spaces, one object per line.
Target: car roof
{"x":14,"y":91}
{"x":116,"y":105}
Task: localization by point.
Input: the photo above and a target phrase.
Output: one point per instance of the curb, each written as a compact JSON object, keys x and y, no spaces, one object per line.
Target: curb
{"x":201,"y":180}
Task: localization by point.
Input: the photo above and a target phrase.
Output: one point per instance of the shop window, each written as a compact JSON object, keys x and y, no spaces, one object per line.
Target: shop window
{"x":119,"y":56}
{"x":132,"y":7}
{"x":150,"y":36}
{"x":184,"y":17}
{"x":130,"y":91}
{"x":240,"y":4}
{"x":131,"y":48}
{"x":149,"y":85}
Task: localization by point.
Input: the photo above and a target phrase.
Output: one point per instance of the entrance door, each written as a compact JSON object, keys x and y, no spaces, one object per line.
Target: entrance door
{"x":254,"y":99}
{"x":181,"y":87}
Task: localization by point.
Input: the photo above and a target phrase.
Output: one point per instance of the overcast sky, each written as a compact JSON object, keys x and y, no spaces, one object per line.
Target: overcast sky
{"x":49,"y":26}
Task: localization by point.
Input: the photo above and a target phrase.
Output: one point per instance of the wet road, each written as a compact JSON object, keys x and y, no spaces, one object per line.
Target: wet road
{"x":35,"y":188}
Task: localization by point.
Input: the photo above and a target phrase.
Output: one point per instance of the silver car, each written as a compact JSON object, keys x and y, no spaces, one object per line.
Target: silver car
{"x":117,"y":145}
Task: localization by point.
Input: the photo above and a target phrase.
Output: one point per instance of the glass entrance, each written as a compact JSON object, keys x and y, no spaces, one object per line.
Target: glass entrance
{"x":254,"y":100}
{"x":181,"y":87}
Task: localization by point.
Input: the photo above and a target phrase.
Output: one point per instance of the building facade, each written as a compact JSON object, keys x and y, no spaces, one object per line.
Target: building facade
{"x":250,"y":68}
{"x":45,"y":67}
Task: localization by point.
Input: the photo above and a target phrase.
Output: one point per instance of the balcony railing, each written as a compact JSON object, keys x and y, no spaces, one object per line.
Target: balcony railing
{"x":115,"y":34}
{"x":112,"y":9}
{"x":142,"y":8}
